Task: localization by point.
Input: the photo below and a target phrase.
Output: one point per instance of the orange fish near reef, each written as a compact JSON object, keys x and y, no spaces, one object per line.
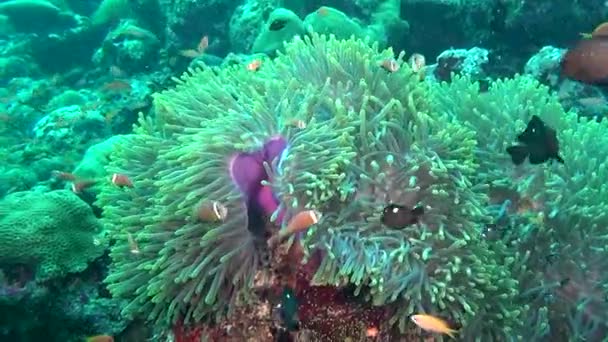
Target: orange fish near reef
{"x":210,"y":211}
{"x":390,"y":65}
{"x":80,"y":185}
{"x":100,"y":338}
{"x":254,"y":65}
{"x":66,"y":176}
{"x":300,"y":222}
{"x":121,"y":180}
{"x":587,"y":62}
{"x":117,"y":86}
{"x":433,"y":324}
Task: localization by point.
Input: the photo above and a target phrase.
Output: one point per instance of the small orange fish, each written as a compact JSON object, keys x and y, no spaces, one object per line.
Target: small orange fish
{"x":66,"y":176}
{"x":254,"y":65}
{"x":100,"y":338}
{"x":121,"y":180}
{"x":133,"y":247}
{"x":390,"y":64}
{"x":299,"y":124}
{"x":210,"y":211}
{"x":372,"y":332}
{"x":322,"y":11}
{"x":80,"y":185}
{"x":300,"y":222}
{"x":433,"y":324}
{"x":117,"y":86}
{"x":417,"y":62}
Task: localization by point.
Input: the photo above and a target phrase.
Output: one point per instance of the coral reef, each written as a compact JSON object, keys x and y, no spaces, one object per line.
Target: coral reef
{"x":321,"y":119}
{"x":50,"y":233}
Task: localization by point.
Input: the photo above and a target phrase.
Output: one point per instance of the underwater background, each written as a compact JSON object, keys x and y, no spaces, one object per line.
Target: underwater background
{"x":290,"y":170}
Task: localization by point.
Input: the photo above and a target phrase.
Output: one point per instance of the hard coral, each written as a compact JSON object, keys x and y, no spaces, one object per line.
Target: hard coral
{"x":52,"y":233}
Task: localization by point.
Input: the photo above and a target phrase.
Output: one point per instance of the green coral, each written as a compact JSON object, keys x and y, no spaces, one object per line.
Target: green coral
{"x":55,"y":233}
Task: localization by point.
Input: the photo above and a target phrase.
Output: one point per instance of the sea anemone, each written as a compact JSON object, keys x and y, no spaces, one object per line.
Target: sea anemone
{"x":551,"y":222}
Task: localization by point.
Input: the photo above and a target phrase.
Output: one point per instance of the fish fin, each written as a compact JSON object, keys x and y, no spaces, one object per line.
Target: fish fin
{"x":538,"y":157}
{"x":452,"y":333}
{"x":518,"y":153}
{"x":418,"y":211}
{"x":535,"y":127}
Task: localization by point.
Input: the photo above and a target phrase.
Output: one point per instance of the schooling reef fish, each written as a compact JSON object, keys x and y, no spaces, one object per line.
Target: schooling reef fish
{"x":587,"y":61}
{"x":399,"y":216}
{"x":538,"y":143}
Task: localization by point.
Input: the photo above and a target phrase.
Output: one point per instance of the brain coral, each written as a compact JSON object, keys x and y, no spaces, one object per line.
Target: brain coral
{"x":54,"y":233}
{"x":369,"y":138}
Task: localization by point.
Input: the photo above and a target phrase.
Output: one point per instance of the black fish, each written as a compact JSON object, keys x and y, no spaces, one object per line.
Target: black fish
{"x":538,"y":143}
{"x":289,"y":309}
{"x":399,"y":216}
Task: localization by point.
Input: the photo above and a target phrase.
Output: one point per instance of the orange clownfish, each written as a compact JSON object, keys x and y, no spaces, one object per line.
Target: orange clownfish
{"x":372,"y":332}
{"x":433,"y":324}
{"x":121,"y":180}
{"x":300,"y":222}
{"x":210,"y":211}
{"x":79,"y":185}
{"x":418,"y":64}
{"x":390,"y":65}
{"x":66,"y":176}
{"x":254,"y":65}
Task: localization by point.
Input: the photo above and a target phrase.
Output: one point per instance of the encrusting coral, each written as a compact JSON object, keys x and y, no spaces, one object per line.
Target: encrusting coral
{"x":50,"y":234}
{"x":325,"y":127}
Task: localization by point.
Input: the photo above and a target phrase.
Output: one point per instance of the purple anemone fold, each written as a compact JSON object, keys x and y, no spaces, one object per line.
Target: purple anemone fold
{"x":247,"y":171}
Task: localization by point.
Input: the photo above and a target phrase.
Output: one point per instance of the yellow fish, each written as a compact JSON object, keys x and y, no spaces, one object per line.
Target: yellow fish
{"x":433,"y":324}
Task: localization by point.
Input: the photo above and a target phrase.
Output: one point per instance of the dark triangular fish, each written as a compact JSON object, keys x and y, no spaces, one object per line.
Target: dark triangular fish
{"x":289,"y":309}
{"x":518,"y":153}
{"x":539,"y":144}
{"x":399,"y":216}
